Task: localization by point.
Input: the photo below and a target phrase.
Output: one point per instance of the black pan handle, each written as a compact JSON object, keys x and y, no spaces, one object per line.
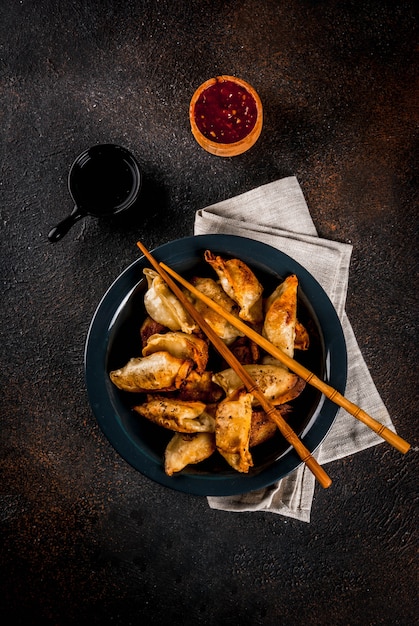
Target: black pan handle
{"x":63,"y":227}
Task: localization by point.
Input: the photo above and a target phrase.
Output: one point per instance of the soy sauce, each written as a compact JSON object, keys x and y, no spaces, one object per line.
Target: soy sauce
{"x":102,"y":181}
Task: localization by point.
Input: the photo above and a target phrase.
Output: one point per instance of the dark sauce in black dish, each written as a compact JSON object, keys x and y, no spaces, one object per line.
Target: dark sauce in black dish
{"x":103,"y":179}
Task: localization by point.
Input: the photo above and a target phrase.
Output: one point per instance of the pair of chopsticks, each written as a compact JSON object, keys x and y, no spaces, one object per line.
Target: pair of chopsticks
{"x":332,"y":394}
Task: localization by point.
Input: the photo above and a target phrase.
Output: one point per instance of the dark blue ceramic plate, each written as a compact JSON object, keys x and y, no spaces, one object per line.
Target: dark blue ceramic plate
{"x":114,"y":337}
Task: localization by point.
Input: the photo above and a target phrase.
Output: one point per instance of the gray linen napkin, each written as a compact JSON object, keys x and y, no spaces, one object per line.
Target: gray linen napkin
{"x":277,"y":214}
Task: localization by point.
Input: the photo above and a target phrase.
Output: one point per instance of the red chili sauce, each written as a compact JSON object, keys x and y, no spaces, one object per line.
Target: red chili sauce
{"x":225,"y":112}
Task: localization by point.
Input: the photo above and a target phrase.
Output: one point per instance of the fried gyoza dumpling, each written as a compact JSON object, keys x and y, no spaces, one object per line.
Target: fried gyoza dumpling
{"x":181,"y":345}
{"x":281,"y":316}
{"x":213,"y":290}
{"x":232,"y":431}
{"x":163,"y":306}
{"x":262,"y":427}
{"x":177,"y":415}
{"x":184,"y":449}
{"x":277,"y":384}
{"x":150,"y":327}
{"x":199,"y":387}
{"x":240,"y":283}
{"x":159,"y":371}
{"x":245,"y":350}
{"x":302,"y":338}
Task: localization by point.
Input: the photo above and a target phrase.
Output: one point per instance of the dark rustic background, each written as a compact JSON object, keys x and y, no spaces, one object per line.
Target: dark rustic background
{"x":85,"y":538}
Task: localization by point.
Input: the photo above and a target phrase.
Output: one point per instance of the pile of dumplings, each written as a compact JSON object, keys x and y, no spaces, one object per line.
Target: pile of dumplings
{"x":210,"y":411}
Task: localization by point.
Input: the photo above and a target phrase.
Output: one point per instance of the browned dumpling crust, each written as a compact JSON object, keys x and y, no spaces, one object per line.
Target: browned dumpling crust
{"x":240,"y":283}
{"x":281,"y":315}
{"x":232,"y":431}
{"x":180,"y":345}
{"x":183,"y":450}
{"x":277,"y":384}
{"x":158,"y":371}
{"x":150,"y":327}
{"x":302,"y":338}
{"x":177,"y":415}
{"x":164,"y":307}
{"x":262,"y":427}
{"x":200,"y":387}
{"x":220,"y":326}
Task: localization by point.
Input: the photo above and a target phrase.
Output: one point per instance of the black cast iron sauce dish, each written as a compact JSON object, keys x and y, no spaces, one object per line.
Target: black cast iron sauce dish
{"x":104,"y":180}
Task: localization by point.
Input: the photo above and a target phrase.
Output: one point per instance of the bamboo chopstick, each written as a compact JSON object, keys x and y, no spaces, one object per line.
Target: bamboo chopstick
{"x":248,"y":381}
{"x":332,"y":394}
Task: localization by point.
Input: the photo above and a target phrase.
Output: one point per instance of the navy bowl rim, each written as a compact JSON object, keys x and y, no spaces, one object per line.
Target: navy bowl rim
{"x":97,"y":380}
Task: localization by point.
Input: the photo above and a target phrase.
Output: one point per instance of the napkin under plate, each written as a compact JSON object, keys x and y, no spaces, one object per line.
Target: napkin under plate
{"x":277,"y":214}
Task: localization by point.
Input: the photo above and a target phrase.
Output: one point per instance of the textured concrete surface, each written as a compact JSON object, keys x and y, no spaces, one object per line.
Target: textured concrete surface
{"x":85,"y":538}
